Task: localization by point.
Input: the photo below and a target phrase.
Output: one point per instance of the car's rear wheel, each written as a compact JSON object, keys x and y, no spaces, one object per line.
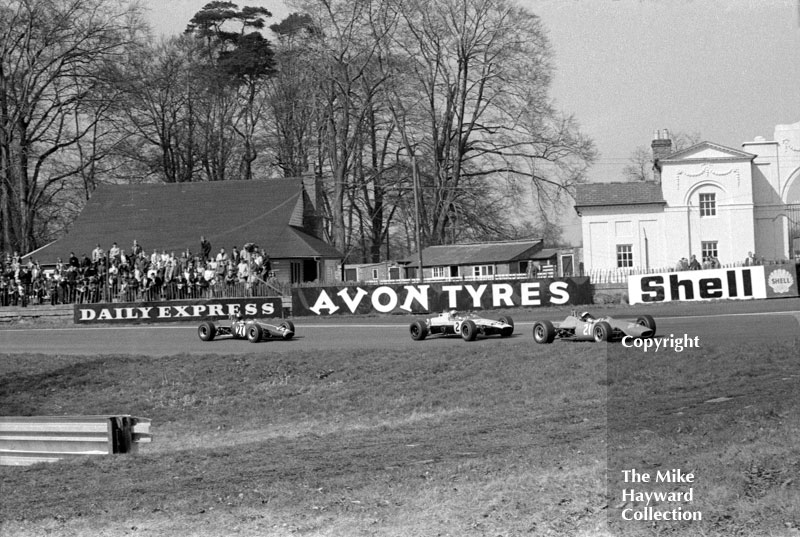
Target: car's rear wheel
{"x":288,"y":325}
{"x":648,"y":321}
{"x":505,"y":332}
{"x":469,"y":330}
{"x":601,"y":331}
{"x":207,"y":331}
{"x":544,"y":332}
{"x":419,"y":330}
{"x":254,"y":333}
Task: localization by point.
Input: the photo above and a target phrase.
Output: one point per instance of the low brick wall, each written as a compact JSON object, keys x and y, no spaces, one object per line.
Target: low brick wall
{"x":610,"y":293}
{"x":9,"y":314}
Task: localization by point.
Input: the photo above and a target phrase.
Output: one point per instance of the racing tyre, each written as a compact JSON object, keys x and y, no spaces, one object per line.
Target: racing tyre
{"x":207,"y":331}
{"x":254,"y":333}
{"x":507,"y":331}
{"x":544,"y":332}
{"x":601,"y":331}
{"x":419,"y":330}
{"x":648,"y":321}
{"x":289,"y":325}
{"x":469,"y":331}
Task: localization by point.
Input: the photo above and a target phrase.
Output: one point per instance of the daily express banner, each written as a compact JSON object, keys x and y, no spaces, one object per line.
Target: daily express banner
{"x":194,"y":310}
{"x":440,"y":296}
{"x":769,"y":281}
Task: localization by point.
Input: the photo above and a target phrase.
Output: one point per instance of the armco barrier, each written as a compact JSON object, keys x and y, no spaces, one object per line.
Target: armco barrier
{"x":28,"y":440}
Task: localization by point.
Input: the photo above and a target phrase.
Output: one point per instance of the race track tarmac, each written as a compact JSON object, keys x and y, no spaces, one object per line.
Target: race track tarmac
{"x":725,"y":324}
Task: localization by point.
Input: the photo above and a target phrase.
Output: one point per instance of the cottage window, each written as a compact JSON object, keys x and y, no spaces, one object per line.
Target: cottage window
{"x":374,"y":274}
{"x":708,"y":204}
{"x":624,"y":255}
{"x":708,"y":249}
{"x":440,"y":272}
{"x":483,"y":270}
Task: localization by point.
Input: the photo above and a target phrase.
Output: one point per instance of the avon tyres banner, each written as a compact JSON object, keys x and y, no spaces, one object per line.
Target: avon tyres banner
{"x":697,"y":285}
{"x":440,"y":296}
{"x":187,"y":310}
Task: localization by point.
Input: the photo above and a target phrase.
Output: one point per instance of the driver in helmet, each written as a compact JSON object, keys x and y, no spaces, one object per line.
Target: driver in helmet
{"x":586,"y":316}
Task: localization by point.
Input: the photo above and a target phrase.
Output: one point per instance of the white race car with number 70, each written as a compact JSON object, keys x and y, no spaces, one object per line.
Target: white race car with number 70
{"x":467,"y":325}
{"x":249,"y":329}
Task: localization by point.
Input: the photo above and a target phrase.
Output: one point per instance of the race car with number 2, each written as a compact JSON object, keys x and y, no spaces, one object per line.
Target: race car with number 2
{"x":467,"y":325}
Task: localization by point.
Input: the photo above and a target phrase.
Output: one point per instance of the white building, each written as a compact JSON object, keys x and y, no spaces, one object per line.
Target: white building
{"x":707,"y":200}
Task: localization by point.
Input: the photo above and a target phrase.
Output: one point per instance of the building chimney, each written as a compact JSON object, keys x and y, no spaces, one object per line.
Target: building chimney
{"x":662,"y":148}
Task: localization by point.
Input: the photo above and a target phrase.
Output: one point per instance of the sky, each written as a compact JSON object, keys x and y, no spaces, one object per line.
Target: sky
{"x":728,"y":70}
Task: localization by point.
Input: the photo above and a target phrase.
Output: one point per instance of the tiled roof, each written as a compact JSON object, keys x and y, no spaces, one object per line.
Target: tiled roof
{"x":603,"y":194}
{"x":475,"y":254}
{"x":173,"y":216}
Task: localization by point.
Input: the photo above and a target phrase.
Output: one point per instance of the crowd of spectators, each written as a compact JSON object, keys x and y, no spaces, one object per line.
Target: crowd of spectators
{"x":133,"y":275}
{"x":710,"y":262}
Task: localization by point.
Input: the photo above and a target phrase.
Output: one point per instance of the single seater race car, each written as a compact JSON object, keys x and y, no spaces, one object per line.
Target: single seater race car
{"x":250,"y":329}
{"x":467,"y":325}
{"x":586,"y":327}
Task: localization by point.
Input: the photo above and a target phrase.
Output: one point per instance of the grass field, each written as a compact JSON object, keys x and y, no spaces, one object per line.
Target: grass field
{"x":483,"y":439}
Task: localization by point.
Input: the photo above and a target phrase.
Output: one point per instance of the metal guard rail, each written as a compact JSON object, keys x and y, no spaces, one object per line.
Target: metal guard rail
{"x":26,"y":440}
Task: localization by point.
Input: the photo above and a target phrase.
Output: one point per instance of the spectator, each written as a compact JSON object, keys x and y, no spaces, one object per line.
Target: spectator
{"x":243,"y":271}
{"x":267,"y":266}
{"x":706,"y":263}
{"x":222,"y":257}
{"x":751,"y":260}
{"x":205,"y":249}
{"x":235,"y":257}
{"x":114,"y":252}
{"x":73,"y":260}
{"x":683,"y":264}
{"x":221,"y":265}
{"x":97,"y":254}
{"x":715,"y":262}
{"x":694,"y":264}
{"x":136,"y":249}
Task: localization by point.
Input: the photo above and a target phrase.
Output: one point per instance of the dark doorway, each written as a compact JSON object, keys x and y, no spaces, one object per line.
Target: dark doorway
{"x":310,"y":271}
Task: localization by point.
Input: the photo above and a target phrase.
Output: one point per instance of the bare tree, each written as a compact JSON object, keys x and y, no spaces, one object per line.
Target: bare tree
{"x":640,"y":163}
{"x":483,"y":69}
{"x":54,"y":56}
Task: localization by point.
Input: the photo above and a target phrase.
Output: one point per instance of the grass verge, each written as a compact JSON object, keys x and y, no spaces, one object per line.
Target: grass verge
{"x":481,"y":439}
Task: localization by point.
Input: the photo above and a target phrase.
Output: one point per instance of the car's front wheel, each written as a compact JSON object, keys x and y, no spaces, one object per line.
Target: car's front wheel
{"x":544,"y":332}
{"x":289,"y":326}
{"x":469,"y":330}
{"x":254,"y":333}
{"x":505,"y":332}
{"x":648,"y":321}
{"x":419,"y":330}
{"x":601,"y":331}
{"x":207,"y":331}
